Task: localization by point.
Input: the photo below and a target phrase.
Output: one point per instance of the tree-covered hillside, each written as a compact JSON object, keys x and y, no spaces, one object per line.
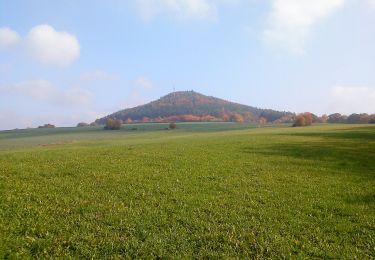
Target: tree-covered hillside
{"x":192,"y":106}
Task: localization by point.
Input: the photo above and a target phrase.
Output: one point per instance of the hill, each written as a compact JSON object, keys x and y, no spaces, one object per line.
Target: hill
{"x":185,"y":106}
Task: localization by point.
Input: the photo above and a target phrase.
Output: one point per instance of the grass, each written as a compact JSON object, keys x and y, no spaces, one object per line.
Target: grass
{"x":202,"y":191}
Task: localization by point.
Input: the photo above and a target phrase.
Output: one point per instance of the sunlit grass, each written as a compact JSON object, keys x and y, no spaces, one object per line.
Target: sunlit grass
{"x":197,"y":191}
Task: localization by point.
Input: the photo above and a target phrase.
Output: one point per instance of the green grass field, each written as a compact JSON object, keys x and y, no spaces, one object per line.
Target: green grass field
{"x":202,"y":190}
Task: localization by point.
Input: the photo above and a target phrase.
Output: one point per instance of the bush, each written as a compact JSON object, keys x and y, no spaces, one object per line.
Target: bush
{"x":172,"y":125}
{"x":300,"y":121}
{"x":82,"y":124}
{"x":304,"y":119}
{"x":112,"y":124}
{"x":46,"y":126}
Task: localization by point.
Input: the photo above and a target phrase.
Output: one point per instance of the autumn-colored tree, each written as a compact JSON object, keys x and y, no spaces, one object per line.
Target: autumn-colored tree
{"x":308,"y":118}
{"x":284,"y":119}
{"x":145,"y":119}
{"x":300,"y":121}
{"x":248,"y":117}
{"x":128,"y":121}
{"x":158,"y":119}
{"x":323,"y":119}
{"x":189,"y":118}
{"x":359,"y":118}
{"x":364,"y":118}
{"x":112,"y":124}
{"x":225,"y":116}
{"x":172,"y":118}
{"x":262,"y":121}
{"x":208,"y":118}
{"x":304,"y":119}
{"x":237,"y":117}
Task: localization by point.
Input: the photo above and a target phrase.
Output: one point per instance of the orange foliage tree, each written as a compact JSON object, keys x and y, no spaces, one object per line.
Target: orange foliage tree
{"x":237,"y":117}
{"x":304,"y":119}
{"x":262,"y":121}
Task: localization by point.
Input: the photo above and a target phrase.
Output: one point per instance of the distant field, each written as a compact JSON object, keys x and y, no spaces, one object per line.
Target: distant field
{"x":202,"y":190}
{"x":46,"y":136}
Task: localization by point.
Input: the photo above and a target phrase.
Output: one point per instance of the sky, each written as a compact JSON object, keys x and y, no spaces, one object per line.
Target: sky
{"x":69,"y":61}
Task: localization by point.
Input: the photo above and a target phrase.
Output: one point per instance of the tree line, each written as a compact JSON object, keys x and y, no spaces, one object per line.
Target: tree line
{"x":307,"y":118}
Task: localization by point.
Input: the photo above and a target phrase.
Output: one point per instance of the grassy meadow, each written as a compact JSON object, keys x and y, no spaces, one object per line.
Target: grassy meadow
{"x":203,"y":190}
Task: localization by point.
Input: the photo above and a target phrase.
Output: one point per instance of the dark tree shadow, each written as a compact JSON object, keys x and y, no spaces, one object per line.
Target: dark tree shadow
{"x":363,"y":199}
{"x":366,"y":133}
{"x":341,"y":149}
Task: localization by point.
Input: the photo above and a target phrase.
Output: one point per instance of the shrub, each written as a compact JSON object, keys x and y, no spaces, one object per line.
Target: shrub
{"x":304,"y":119}
{"x":82,"y":124}
{"x":309,"y":118}
{"x":172,"y":125}
{"x":46,"y":126}
{"x":300,"y":121}
{"x":112,"y":124}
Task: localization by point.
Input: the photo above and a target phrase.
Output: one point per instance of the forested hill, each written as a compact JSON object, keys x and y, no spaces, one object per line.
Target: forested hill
{"x":192,"y":106}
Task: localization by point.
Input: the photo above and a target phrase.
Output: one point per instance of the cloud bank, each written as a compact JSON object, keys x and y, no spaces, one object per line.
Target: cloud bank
{"x":49,"y":46}
{"x":43,"y":90}
{"x":349,"y":99}
{"x":44,"y":44}
{"x":8,"y":37}
{"x":181,"y":9}
{"x":291,"y":21}
{"x":372,"y":3}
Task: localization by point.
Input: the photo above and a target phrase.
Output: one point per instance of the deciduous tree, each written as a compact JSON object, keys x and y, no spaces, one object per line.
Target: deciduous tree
{"x":112,"y":124}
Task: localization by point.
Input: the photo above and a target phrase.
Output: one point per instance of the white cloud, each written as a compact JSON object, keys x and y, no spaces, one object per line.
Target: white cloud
{"x":291,"y":21}
{"x":181,"y":9}
{"x":185,"y":9}
{"x":35,"y":89}
{"x":43,"y":90}
{"x":44,"y":44}
{"x":49,"y":46}
{"x":349,"y":100}
{"x":98,"y":75}
{"x":8,"y":37}
{"x":371,"y":3}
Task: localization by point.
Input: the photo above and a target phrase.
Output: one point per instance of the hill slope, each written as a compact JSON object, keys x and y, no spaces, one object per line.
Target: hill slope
{"x":192,"y":106}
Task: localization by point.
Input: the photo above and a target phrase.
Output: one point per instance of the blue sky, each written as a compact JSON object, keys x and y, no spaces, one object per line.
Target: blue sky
{"x":67,"y":61}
